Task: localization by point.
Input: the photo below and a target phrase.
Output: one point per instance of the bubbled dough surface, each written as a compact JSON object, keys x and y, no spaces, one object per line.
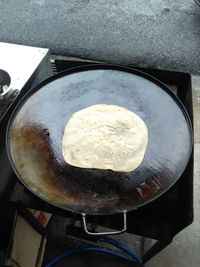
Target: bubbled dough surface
{"x":105,"y":137}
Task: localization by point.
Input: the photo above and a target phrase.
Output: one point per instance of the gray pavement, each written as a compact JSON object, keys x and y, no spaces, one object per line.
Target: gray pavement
{"x":161,"y":34}
{"x":185,"y":250}
{"x":155,"y":33}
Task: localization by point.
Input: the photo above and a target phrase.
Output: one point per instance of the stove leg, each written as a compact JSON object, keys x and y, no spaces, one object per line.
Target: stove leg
{"x":155,"y":249}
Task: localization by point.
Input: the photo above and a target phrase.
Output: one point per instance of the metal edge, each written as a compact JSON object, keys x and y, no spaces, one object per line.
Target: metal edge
{"x":86,"y":68}
{"x":197,"y":2}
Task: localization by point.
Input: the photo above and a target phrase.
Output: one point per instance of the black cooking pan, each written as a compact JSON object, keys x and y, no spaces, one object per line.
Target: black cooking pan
{"x":36,"y":128}
{"x":197,"y":2}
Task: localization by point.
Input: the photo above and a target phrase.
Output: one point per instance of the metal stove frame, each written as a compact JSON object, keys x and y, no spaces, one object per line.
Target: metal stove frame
{"x":23,"y":199}
{"x":182,"y":82}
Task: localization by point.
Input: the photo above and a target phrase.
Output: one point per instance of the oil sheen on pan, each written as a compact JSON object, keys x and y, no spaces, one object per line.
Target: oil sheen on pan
{"x":37,"y":128}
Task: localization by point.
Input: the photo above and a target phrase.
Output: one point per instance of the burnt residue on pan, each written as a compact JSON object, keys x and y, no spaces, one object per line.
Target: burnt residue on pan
{"x":65,"y":185}
{"x":37,"y":128}
{"x":32,"y":153}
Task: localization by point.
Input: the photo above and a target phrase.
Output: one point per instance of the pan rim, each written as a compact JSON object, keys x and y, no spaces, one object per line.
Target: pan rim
{"x":98,"y":66}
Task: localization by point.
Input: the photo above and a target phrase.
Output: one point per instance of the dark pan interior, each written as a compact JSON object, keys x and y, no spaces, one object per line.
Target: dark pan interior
{"x":36,"y":130}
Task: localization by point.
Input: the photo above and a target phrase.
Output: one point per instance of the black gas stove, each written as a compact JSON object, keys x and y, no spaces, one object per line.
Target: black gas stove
{"x":160,"y":220}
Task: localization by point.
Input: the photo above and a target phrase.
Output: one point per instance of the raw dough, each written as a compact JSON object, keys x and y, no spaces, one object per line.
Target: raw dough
{"x":105,"y":137}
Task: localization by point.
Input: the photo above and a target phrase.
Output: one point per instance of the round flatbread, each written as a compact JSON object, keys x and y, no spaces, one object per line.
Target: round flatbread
{"x":105,"y":137}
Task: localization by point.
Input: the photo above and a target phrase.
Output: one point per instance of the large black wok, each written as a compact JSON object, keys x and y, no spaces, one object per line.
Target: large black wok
{"x":36,"y":128}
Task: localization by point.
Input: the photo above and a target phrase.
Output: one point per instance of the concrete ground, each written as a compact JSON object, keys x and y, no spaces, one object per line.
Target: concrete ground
{"x":155,"y":33}
{"x":185,"y":250}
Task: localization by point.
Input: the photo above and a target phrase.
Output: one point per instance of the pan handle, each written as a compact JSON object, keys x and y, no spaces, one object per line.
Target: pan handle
{"x":105,"y":233}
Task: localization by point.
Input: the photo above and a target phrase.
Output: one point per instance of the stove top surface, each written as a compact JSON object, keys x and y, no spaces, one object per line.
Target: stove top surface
{"x":18,"y":63}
